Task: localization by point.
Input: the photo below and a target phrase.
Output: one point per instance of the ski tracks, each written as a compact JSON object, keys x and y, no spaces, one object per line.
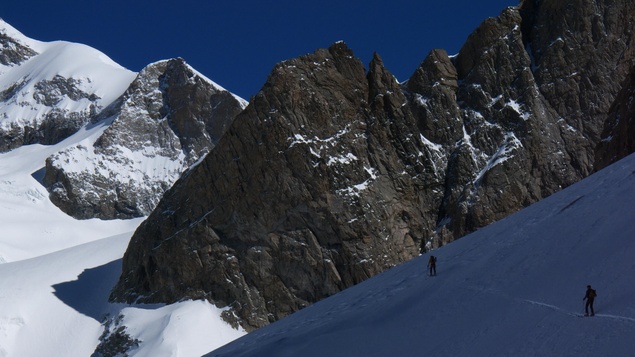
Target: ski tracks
{"x":556,"y":308}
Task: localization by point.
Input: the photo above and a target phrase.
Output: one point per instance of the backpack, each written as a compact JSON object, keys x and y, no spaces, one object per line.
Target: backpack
{"x":592,"y":294}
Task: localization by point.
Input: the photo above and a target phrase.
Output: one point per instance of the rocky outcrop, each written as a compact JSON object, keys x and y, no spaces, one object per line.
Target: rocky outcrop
{"x":507,"y":127}
{"x":334,"y":173}
{"x":13,"y":52}
{"x":169,"y":118}
{"x":536,"y":84}
{"x":56,"y":122}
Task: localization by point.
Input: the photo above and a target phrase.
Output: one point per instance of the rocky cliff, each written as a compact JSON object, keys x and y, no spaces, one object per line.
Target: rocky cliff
{"x":335,"y":172}
{"x":167,"y":119}
{"x":618,"y":136}
{"x":536,"y":85}
{"x":289,"y":196}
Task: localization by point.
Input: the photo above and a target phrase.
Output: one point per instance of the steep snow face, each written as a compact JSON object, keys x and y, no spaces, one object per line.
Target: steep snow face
{"x":49,"y":84}
{"x":513,"y":288}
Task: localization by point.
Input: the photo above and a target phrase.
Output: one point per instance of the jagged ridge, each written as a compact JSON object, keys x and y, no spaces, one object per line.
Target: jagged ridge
{"x":330,"y":176}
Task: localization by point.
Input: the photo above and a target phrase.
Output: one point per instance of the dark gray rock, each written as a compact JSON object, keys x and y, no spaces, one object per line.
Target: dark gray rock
{"x":536,"y":84}
{"x":56,"y":124}
{"x":285,"y":211}
{"x":618,"y":136}
{"x":13,"y":52}
{"x":51,"y":92}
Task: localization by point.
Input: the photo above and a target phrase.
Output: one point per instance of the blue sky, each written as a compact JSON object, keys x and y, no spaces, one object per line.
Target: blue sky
{"x":237,"y":43}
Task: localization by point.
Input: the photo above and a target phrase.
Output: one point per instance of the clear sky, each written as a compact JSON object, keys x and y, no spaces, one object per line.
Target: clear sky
{"x":237,"y":43}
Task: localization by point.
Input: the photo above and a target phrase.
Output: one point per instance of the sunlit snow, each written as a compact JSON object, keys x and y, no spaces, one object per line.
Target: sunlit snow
{"x":56,"y":272}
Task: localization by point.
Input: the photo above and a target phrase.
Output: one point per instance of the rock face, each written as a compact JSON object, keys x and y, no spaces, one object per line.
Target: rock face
{"x":285,"y":212}
{"x":536,"y":85}
{"x":169,"y":118}
{"x":334,"y":173}
{"x":618,"y":137}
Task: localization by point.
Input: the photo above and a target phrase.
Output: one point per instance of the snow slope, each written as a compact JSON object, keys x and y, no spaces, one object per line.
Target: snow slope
{"x":30,"y":225}
{"x":57,"y":273}
{"x":514,"y":288}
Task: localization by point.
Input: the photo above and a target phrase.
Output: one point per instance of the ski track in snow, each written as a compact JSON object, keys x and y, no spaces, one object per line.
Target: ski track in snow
{"x":550,"y":306}
{"x":556,"y":308}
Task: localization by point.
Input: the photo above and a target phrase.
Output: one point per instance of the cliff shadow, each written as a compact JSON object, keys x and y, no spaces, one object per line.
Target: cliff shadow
{"x":39,"y":175}
{"x":88,"y":294}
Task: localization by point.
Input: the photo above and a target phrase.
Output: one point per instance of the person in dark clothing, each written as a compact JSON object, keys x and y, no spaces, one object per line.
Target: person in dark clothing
{"x":589,"y":297}
{"x":432,"y":264}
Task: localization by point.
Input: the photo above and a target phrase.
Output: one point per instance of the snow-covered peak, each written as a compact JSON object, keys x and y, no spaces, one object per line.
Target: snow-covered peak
{"x":97,"y":72}
{"x":54,"y":81}
{"x":46,"y":254}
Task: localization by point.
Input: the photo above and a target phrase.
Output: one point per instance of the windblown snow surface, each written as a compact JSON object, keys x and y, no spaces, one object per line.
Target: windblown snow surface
{"x":514,"y":288}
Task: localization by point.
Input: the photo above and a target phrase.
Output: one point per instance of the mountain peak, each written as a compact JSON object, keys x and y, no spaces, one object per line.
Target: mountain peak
{"x":168,"y":118}
{"x":48,"y":91}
